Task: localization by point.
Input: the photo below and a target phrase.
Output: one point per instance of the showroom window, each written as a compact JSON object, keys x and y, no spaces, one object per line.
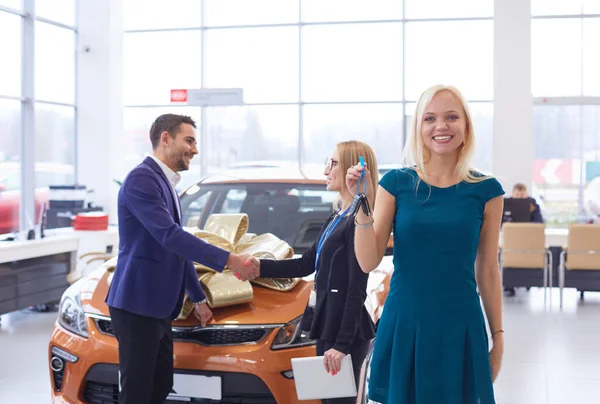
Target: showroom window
{"x":10,"y":116}
{"x":313,"y":73}
{"x":37,"y":105}
{"x":566,"y":111}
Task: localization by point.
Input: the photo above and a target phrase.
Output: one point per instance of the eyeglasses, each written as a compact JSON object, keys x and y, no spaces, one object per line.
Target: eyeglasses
{"x":330,"y":163}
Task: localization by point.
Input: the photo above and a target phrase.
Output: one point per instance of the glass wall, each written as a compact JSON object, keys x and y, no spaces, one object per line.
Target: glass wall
{"x":313,"y":73}
{"x":11,"y":26}
{"x":55,"y":109}
{"x":51,"y":86}
{"x":566,"y":86}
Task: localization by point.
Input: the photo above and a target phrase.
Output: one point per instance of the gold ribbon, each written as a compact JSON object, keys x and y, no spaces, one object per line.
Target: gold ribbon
{"x":229,"y":232}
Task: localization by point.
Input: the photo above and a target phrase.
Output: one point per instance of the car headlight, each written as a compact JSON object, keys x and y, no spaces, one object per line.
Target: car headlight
{"x":70,"y":313}
{"x":291,"y":336}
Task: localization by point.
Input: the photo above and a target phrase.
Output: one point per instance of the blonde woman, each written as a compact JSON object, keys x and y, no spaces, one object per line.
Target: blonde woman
{"x":335,"y":315}
{"x":432,"y":345}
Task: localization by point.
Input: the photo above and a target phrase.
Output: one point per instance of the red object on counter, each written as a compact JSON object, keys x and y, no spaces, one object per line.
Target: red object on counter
{"x":91,"y":221}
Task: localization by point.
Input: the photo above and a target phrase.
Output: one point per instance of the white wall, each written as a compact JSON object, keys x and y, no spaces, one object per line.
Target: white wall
{"x":513,"y":138}
{"x":100,"y":99}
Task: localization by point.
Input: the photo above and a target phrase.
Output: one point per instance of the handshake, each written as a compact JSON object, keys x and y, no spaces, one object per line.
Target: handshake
{"x":244,"y":266}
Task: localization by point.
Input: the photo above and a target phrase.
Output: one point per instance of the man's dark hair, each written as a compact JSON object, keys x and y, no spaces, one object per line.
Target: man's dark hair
{"x":519,"y":187}
{"x":167,"y":123}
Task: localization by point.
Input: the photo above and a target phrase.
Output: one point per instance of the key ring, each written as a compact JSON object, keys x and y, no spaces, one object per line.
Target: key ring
{"x":360,"y":200}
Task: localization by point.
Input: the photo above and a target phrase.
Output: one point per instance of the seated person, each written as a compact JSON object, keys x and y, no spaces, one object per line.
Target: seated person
{"x":520,"y":191}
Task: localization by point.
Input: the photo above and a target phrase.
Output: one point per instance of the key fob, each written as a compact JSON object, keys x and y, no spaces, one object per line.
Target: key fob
{"x":365,"y":206}
{"x":356,"y":202}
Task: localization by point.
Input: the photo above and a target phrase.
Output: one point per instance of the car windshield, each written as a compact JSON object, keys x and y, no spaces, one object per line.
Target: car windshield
{"x":293,"y":212}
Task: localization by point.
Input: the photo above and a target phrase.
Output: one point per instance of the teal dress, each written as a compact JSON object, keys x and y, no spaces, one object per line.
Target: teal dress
{"x":431,"y":345}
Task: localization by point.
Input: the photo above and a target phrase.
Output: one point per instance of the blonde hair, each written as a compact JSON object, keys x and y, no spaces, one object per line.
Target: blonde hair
{"x":417,"y":154}
{"x":348,"y":153}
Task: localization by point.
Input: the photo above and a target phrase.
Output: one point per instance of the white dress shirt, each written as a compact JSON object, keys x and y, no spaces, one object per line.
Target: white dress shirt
{"x":173,"y":178}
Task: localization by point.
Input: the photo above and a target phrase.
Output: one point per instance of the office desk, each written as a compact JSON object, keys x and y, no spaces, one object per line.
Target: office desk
{"x":554,"y":237}
{"x":35,"y":271}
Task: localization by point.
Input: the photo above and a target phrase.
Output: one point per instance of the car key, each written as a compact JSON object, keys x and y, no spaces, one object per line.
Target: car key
{"x":363,"y":202}
{"x":365,"y":206}
{"x":356,"y":202}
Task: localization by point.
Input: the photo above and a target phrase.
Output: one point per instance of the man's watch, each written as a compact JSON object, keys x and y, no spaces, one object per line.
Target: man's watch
{"x":203,"y":301}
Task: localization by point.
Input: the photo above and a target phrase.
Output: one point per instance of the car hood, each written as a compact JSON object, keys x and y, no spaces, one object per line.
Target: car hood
{"x":267,"y":307}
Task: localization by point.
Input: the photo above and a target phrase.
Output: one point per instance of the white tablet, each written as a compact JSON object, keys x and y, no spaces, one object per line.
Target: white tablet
{"x":314,"y":383}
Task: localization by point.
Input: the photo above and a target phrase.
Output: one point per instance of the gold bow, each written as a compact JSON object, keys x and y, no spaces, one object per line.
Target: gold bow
{"x":229,"y":232}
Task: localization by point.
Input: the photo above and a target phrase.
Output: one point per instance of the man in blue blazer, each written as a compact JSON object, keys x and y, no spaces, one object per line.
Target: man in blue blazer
{"x":155,"y":265}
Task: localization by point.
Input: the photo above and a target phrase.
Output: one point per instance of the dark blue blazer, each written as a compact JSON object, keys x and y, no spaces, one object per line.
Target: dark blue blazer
{"x":155,"y":265}
{"x":536,"y":215}
{"x":339,"y":315}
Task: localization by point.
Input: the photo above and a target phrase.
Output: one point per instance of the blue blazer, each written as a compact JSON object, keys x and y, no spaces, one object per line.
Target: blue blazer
{"x":536,"y":215}
{"x":155,"y":265}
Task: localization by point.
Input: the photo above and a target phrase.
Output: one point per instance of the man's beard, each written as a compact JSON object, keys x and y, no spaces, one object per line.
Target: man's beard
{"x":182,"y":165}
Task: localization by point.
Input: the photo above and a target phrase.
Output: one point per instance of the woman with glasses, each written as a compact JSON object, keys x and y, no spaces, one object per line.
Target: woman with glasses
{"x":432,"y":344}
{"x":335,"y":315}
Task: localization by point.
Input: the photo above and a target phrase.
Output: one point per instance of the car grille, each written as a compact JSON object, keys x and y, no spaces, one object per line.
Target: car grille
{"x":105,"y":326}
{"x":101,"y":393}
{"x":221,"y":337}
{"x":238,"y":388}
{"x":205,"y":336}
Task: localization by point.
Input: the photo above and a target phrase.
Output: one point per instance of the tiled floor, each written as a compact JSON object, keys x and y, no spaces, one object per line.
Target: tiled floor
{"x":551,"y":356}
{"x":24,"y":377}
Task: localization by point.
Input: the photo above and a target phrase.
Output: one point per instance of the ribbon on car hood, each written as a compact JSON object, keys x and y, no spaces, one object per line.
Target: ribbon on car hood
{"x":229,"y":232}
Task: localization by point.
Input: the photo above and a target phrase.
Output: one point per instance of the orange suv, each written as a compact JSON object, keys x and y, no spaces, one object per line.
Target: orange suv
{"x":244,"y":354}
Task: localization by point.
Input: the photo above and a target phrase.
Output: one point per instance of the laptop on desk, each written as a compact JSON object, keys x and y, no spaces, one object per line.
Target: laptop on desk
{"x":517,"y":210}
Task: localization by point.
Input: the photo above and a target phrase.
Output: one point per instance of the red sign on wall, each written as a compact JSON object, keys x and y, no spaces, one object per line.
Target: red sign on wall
{"x":179,"y":95}
{"x":554,"y":171}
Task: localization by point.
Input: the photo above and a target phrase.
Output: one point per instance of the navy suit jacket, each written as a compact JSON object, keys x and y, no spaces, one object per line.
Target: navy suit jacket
{"x":536,"y":215}
{"x":155,"y":265}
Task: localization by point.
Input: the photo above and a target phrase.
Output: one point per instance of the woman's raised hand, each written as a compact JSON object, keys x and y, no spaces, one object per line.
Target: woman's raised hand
{"x":352,"y":177}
